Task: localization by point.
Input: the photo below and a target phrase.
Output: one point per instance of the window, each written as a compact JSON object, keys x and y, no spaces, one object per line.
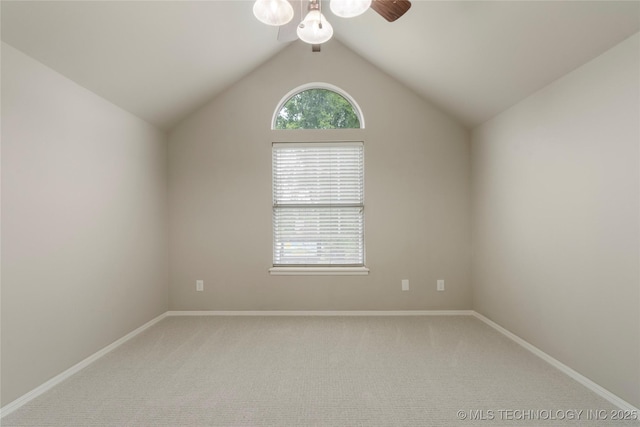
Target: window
{"x":318,"y":204}
{"x":318,"y":106}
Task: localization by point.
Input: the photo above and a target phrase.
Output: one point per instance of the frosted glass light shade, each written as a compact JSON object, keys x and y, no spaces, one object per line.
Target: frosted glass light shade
{"x":309,"y":30}
{"x":273,"y":12}
{"x":349,"y":8}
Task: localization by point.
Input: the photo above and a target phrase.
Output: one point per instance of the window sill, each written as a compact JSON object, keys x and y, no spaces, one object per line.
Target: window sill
{"x":318,"y":271}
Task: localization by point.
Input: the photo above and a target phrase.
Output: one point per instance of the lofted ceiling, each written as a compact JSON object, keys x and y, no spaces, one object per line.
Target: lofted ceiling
{"x":160,"y":60}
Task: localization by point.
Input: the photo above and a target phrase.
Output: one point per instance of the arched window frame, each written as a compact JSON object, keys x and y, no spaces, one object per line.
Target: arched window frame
{"x":317,"y":85}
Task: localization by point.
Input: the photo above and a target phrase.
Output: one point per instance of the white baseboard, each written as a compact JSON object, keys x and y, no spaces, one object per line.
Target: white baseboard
{"x":10,"y":407}
{"x":324,"y":313}
{"x":599,"y":390}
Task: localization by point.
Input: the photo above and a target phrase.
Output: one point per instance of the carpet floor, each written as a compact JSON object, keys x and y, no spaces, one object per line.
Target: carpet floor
{"x":318,"y":371}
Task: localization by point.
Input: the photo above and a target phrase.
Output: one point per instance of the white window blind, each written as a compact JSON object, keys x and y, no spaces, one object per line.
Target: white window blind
{"x":318,"y":204}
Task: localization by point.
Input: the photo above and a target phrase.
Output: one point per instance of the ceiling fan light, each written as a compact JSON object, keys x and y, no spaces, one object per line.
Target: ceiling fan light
{"x":315,"y":29}
{"x":349,"y":8}
{"x":273,"y":12}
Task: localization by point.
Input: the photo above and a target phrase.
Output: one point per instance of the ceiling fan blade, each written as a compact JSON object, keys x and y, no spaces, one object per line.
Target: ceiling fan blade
{"x":391,"y":9}
{"x":287,"y":32}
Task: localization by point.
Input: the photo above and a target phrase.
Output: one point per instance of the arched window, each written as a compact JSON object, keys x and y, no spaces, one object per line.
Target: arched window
{"x":318,"y":186}
{"x":318,"y":106}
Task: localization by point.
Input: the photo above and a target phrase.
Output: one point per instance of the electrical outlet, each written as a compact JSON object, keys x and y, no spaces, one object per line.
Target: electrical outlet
{"x":199,"y":285}
{"x":440,"y":285}
{"x":405,"y":284}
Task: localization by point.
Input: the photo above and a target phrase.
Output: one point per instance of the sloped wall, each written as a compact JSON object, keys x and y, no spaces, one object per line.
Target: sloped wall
{"x":556,"y":202}
{"x":417,"y":195}
{"x":84,"y":223}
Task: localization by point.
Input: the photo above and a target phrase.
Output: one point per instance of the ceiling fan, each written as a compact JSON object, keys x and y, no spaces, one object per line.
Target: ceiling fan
{"x":303,"y":19}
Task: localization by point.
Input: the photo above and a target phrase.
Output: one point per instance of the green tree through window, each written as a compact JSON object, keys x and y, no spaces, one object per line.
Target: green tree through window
{"x":317,"y":109}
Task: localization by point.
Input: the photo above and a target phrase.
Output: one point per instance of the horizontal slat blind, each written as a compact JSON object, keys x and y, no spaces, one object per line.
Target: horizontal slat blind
{"x":318,"y":204}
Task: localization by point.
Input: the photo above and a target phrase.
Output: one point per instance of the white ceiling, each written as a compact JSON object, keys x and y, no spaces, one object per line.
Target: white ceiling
{"x":160,"y":60}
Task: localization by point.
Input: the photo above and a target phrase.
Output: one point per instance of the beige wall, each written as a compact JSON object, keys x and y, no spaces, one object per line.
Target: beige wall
{"x":556,"y":220}
{"x":84,"y":227}
{"x":417,"y":195}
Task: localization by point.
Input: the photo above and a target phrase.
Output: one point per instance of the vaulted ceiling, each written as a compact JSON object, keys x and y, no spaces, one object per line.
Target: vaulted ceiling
{"x":160,"y":60}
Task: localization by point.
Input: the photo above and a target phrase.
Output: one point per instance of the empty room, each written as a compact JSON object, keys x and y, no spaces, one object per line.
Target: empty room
{"x":320,"y":213}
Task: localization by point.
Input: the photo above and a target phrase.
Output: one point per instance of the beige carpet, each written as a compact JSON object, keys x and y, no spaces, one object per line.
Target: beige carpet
{"x":317,"y":371}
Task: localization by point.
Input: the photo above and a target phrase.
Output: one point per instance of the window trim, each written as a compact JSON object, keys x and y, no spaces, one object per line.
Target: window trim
{"x":317,"y":85}
{"x":319,"y":271}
